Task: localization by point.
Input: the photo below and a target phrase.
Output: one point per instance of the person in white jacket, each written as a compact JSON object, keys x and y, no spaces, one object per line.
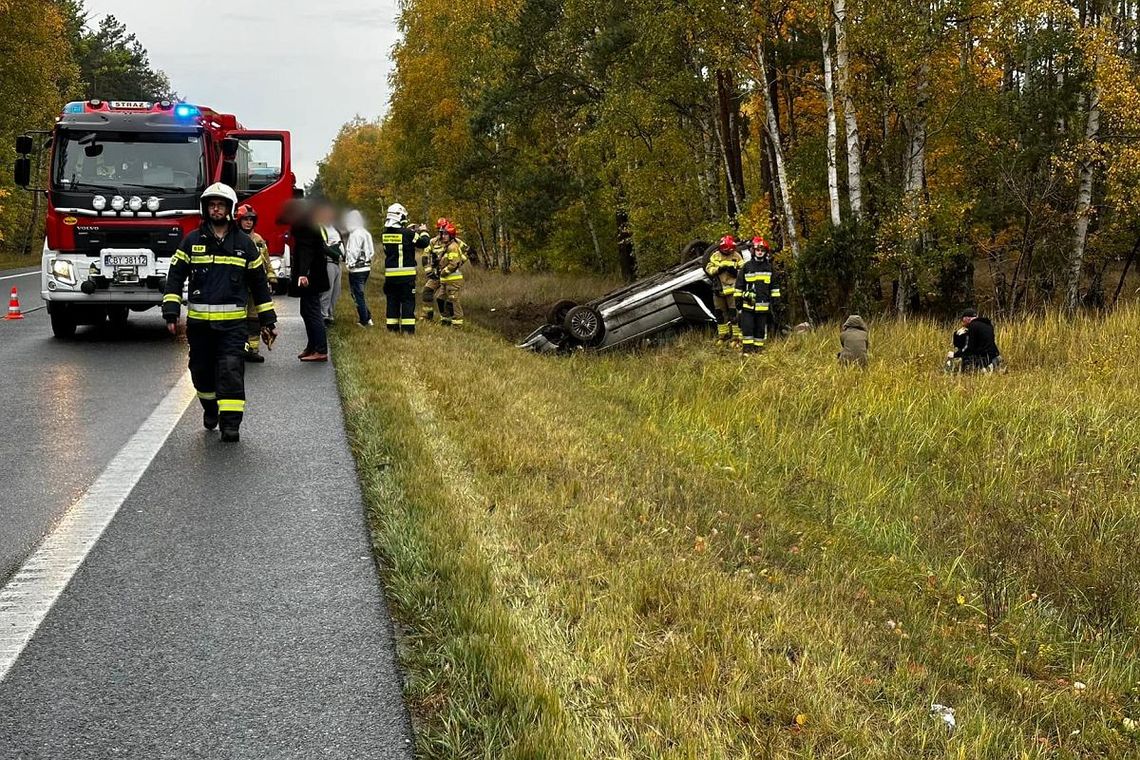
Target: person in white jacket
{"x":358,"y":253}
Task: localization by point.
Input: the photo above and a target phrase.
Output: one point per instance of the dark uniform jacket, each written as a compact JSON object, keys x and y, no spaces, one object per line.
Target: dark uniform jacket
{"x":981,"y":348}
{"x":221,"y":276}
{"x":400,"y":244}
{"x":756,"y":285}
{"x":309,"y":257}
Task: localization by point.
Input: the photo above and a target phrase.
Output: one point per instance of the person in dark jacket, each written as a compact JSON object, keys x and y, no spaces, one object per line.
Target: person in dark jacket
{"x":978,"y":351}
{"x":855,"y":341}
{"x":401,"y":243}
{"x":310,"y":278}
{"x":221,"y":268}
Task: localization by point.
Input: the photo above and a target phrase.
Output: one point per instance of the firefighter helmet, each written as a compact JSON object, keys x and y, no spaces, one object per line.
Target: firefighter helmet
{"x":222,"y":191}
{"x":450,"y":230}
{"x":727,"y":243}
{"x":397,"y":214}
{"x":442,"y":222}
{"x":760,"y":245}
{"x":245,"y":211}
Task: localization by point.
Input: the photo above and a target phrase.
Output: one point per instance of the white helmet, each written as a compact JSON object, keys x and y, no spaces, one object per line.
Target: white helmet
{"x":219,"y":190}
{"x":397,"y":215}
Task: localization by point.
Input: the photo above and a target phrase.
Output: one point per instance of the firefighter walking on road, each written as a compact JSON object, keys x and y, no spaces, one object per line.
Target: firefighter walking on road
{"x":246,"y":218}
{"x":400,"y":244}
{"x":430,"y":262}
{"x":757,"y":289}
{"x":451,"y":276}
{"x":723,"y":266}
{"x":222,"y":268}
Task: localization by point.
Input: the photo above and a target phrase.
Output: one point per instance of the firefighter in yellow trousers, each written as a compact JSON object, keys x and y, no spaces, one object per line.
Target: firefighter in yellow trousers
{"x":246,"y":217}
{"x":451,"y":264}
{"x":724,"y":264}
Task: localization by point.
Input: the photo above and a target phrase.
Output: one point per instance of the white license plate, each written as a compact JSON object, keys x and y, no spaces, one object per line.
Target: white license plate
{"x":121,"y":260}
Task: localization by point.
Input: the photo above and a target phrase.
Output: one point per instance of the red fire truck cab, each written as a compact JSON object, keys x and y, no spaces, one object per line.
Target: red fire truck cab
{"x":124,"y":181}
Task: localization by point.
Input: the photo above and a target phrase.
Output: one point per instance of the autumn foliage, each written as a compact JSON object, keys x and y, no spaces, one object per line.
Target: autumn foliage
{"x":933,"y":154}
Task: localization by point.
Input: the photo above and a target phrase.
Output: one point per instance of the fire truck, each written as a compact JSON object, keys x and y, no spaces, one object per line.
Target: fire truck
{"x":123,"y":186}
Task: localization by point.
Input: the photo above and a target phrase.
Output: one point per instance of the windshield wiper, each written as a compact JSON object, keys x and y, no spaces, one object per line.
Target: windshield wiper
{"x":158,"y":188}
{"x":67,"y":186}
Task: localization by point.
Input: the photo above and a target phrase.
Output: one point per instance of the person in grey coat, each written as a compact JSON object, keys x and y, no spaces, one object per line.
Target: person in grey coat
{"x":855,"y":339}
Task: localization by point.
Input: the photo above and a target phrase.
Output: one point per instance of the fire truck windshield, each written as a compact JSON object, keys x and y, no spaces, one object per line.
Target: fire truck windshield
{"x":122,"y":161}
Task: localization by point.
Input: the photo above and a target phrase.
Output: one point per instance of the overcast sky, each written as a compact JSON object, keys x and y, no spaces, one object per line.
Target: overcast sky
{"x":299,"y":65}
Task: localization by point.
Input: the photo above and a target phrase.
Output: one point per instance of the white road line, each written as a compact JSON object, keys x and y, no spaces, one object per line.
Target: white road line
{"x":25,"y":274}
{"x":28,"y":597}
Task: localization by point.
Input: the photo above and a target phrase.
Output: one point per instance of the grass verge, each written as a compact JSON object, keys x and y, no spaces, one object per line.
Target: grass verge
{"x":684,"y":554}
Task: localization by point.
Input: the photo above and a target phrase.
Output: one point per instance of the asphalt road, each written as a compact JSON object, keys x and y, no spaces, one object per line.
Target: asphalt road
{"x":232,"y":608}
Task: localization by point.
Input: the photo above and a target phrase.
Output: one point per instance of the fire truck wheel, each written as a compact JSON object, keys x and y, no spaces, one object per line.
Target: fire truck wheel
{"x":118,"y":315}
{"x":63,"y":322}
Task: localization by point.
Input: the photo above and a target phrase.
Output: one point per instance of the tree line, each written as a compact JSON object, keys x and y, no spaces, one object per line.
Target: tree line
{"x":902,"y":156}
{"x":51,"y":53}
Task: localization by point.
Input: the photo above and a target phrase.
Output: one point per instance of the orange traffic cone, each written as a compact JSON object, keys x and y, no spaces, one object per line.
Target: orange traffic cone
{"x":14,"y":306}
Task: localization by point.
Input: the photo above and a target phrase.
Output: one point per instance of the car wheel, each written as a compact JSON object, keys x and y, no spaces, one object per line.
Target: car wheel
{"x":63,"y":322}
{"x":557,"y":313}
{"x":584,"y":324}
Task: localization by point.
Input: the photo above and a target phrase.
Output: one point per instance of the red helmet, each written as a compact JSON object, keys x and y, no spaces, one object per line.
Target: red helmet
{"x":727,"y":243}
{"x":760,"y":244}
{"x":245,"y":210}
{"x":450,"y":229}
{"x":441,"y":223}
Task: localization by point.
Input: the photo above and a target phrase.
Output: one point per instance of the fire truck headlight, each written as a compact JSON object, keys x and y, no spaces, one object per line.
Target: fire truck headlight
{"x":135,"y":203}
{"x":63,"y":271}
{"x":99,"y":202}
{"x":152,"y":203}
{"x":118,"y":202}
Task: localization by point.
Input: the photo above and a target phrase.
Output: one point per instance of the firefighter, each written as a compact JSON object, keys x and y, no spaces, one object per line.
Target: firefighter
{"x":451,"y":277}
{"x":756,"y":286}
{"x":430,"y":263}
{"x":723,"y":266}
{"x":246,"y":218}
{"x":223,"y":269}
{"x":400,"y":242}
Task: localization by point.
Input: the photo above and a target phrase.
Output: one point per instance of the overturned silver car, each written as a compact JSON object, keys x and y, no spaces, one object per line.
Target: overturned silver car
{"x":651,"y":307}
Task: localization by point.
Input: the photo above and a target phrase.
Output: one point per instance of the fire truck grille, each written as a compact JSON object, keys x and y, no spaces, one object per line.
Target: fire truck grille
{"x":162,"y":240}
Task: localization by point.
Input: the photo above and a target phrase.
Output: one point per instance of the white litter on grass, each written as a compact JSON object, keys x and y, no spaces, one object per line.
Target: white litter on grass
{"x":946,"y":714}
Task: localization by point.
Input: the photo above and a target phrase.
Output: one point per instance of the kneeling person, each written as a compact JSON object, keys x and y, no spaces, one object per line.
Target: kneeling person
{"x":222,"y":268}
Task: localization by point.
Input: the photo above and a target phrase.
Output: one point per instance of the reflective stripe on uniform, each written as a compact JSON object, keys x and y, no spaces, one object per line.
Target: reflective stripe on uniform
{"x":214,"y":312}
{"x":180,"y":255}
{"x":457,"y":321}
{"x":236,"y":261}
{"x":758,"y":277}
{"x":408,"y":321}
{"x":231,"y":405}
{"x":264,"y":307}
{"x":256,"y":263}
{"x":451,"y":277}
{"x":392,"y":321}
{"x":172,"y":298}
{"x":400,"y":272}
{"x":775,"y":293}
{"x":207,"y":396}
{"x":762,"y":306}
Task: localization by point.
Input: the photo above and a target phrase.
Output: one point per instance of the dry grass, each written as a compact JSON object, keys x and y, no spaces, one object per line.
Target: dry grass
{"x":683,"y":554}
{"x":11,"y":260}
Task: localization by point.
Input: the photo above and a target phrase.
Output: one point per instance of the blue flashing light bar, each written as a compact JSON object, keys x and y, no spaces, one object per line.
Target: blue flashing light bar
{"x":186,"y":111}
{"x":75,"y":106}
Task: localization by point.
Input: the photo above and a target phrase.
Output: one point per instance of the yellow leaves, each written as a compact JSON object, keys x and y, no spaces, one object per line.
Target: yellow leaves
{"x":801,"y":719}
{"x":961,"y":599}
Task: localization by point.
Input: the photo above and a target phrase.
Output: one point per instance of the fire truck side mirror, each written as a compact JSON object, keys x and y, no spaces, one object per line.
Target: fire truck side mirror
{"x":23,"y":171}
{"x":230,"y":148}
{"x":229,"y":173}
{"x":24,"y":144}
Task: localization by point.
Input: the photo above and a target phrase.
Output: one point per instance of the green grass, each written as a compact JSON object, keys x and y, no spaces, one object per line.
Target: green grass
{"x":12,"y":260}
{"x":685,"y":554}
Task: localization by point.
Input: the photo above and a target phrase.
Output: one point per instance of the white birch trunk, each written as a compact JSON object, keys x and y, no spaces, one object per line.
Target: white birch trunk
{"x":850,"y":119}
{"x":1084,"y":203}
{"x":778,"y":152}
{"x":832,"y":130}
